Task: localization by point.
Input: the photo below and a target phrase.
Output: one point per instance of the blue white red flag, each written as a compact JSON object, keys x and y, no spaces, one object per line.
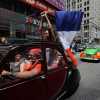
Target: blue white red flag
{"x":68,"y":23}
{"x":68,"y":20}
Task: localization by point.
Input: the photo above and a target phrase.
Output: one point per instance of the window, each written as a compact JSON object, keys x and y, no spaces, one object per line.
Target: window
{"x":84,"y":15}
{"x":54,"y":59}
{"x":80,"y":5}
{"x":86,"y":34}
{"x":86,"y":27}
{"x":77,"y":6}
{"x":6,"y":4}
{"x":86,"y":41}
{"x":88,"y":2}
{"x":27,"y":56}
{"x":84,"y":3}
{"x":87,"y":21}
{"x":84,"y":9}
{"x":87,"y":8}
{"x":19,"y":7}
{"x":84,"y":21}
{"x":87,"y":14}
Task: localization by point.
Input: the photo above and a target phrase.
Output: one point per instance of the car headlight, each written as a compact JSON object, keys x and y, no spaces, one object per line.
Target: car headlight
{"x":97,"y":55}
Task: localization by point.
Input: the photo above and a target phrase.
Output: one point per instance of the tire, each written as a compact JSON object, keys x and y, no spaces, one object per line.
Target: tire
{"x":71,"y":85}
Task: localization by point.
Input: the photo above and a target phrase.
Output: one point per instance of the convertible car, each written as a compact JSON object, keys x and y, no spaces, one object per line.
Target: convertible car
{"x":53,"y":83}
{"x":91,"y":53}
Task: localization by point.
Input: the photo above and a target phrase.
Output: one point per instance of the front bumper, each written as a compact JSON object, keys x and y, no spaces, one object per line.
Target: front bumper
{"x":89,"y":59}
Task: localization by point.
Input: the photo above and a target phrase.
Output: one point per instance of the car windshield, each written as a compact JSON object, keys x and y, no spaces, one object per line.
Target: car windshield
{"x":93,"y":46}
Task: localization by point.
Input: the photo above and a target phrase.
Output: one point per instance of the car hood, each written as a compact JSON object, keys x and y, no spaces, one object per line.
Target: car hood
{"x":90,"y":51}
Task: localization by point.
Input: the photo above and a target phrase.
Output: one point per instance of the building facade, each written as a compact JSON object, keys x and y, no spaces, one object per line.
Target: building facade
{"x":14,"y":15}
{"x":91,"y":19}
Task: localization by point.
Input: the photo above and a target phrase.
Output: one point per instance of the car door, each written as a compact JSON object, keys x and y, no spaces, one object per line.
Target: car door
{"x":56,"y":72}
{"x":12,"y":88}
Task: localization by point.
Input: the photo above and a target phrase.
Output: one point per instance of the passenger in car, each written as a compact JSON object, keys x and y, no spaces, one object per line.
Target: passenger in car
{"x":32,"y":65}
{"x":26,"y":68}
{"x":56,"y":61}
{"x":14,"y":65}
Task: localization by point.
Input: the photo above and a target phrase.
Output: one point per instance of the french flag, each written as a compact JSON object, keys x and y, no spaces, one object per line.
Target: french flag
{"x":68,"y":23}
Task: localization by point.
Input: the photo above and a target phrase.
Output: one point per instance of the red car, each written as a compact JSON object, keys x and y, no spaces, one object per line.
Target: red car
{"x":53,"y":83}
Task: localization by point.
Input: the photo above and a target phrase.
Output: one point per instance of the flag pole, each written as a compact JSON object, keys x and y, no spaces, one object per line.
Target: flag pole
{"x":49,"y":24}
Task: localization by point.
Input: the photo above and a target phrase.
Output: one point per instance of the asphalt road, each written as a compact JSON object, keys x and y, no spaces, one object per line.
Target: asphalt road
{"x":89,"y":88}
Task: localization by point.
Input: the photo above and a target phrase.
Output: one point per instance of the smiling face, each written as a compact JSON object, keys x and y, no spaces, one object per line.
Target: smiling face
{"x":34,"y":54}
{"x":31,"y":57}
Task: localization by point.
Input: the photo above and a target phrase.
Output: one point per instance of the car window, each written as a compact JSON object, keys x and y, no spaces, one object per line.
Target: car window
{"x":26,"y":55}
{"x":54,"y":59}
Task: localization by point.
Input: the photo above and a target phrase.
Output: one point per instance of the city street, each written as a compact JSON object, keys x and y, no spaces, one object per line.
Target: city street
{"x":36,"y":39}
{"x":89,"y":88}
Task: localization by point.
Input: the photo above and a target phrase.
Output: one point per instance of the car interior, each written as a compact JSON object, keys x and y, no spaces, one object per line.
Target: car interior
{"x":54,"y":59}
{"x":5,"y":80}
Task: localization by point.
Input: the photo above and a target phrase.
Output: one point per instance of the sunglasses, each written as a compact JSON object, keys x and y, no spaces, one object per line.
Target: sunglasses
{"x":31,"y":56}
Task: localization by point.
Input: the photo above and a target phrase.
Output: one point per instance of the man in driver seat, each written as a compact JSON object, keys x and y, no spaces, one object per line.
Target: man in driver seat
{"x":32,"y":65}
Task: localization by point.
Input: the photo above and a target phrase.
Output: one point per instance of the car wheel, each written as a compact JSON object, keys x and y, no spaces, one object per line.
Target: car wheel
{"x":71,"y":85}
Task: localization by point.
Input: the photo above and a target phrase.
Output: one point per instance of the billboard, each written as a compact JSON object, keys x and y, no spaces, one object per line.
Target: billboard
{"x":60,"y":4}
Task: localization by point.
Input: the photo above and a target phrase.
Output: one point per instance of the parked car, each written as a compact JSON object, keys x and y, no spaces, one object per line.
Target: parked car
{"x":92,"y":52}
{"x":80,"y":47}
{"x":53,"y":83}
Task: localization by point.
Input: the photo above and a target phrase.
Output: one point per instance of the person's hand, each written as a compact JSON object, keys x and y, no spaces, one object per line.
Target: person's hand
{"x":44,"y":13}
{"x":5,"y":73}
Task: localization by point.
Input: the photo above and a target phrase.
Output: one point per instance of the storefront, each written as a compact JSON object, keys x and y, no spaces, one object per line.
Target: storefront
{"x":14,"y":15}
{"x":10,"y":22}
